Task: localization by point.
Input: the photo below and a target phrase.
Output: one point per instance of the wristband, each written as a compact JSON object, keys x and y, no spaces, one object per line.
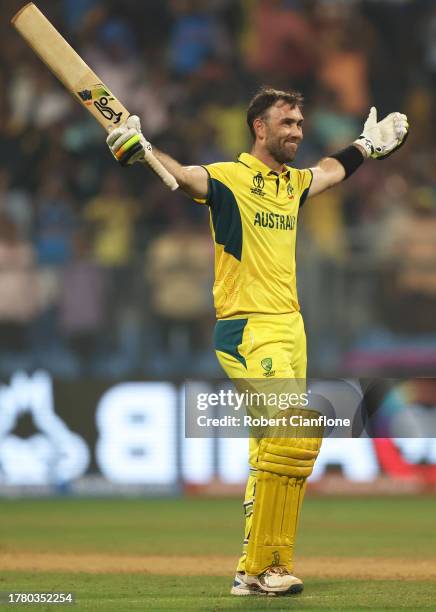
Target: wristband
{"x":350,"y":158}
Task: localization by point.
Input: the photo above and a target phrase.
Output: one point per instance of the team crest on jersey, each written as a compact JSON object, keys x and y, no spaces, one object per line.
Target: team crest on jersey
{"x":258,"y":184}
{"x":267,"y":366}
{"x":290,"y":191}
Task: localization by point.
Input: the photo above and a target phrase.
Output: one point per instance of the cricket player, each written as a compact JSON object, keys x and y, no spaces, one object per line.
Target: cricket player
{"x":254,"y":204}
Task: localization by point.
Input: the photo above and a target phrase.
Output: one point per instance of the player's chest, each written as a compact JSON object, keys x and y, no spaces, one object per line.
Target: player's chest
{"x":268,"y":205}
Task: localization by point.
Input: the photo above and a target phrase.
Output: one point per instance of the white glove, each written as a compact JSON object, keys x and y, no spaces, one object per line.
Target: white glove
{"x":127,"y":143}
{"x":381,"y":139}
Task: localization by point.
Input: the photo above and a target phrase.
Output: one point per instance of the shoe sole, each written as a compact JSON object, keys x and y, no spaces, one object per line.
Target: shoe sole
{"x":293,"y":590}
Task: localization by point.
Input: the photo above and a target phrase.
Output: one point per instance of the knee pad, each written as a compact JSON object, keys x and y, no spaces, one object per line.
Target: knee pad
{"x":293,"y":457}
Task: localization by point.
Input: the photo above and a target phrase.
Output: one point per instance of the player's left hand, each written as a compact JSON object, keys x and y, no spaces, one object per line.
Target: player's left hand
{"x":128,"y":144}
{"x":381,"y":138}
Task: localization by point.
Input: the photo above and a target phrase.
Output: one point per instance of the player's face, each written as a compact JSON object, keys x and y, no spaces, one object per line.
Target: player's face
{"x":283,"y":131}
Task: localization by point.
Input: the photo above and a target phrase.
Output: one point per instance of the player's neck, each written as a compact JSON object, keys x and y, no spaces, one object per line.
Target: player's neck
{"x":266,"y":158}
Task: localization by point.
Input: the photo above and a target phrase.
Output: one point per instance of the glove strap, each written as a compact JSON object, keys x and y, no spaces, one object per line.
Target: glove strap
{"x":366,"y":143}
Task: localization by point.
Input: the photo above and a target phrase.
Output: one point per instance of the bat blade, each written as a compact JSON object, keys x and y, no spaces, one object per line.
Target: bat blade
{"x":67,"y":65}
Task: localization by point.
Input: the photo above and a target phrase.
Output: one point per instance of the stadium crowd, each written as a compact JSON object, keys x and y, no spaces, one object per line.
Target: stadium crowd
{"x":103,"y":271}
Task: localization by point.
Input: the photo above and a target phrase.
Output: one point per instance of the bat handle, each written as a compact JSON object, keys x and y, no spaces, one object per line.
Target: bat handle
{"x":161,"y":171}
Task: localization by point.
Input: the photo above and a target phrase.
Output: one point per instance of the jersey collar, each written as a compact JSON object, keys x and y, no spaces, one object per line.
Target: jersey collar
{"x":255,"y":164}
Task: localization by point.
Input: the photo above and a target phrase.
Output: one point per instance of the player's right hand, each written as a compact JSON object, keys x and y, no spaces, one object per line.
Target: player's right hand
{"x":127,"y":143}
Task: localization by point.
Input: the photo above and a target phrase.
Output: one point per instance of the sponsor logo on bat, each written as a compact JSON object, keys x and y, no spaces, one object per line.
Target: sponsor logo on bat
{"x":100,"y":97}
{"x":85,"y":95}
{"x":107,"y":112}
{"x":95,"y":93}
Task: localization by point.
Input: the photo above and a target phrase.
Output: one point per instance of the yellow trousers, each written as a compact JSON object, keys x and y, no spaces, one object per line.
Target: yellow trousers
{"x":263,"y":348}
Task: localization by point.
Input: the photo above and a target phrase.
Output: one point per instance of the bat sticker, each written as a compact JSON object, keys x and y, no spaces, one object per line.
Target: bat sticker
{"x":97,"y":91}
{"x":107,"y":112}
{"x":100,"y":97}
{"x":85,"y":95}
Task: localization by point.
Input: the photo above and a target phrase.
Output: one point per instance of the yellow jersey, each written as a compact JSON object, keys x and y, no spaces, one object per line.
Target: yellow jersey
{"x":253,"y":218}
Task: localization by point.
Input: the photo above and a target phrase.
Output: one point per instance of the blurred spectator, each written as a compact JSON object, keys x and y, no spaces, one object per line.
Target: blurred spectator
{"x":31,"y":83}
{"x":179,"y":273}
{"x":346,"y":47}
{"x":408,"y":296}
{"x":112,"y":214}
{"x":82,"y":308}
{"x":54,"y":223}
{"x":151,"y":101}
{"x":15,"y":204}
{"x":280,"y":44}
{"x":77,"y":13}
{"x":18,"y":290}
{"x":331,"y":130}
{"x":324,"y":224}
{"x":197,"y":36}
{"x":225,"y":118}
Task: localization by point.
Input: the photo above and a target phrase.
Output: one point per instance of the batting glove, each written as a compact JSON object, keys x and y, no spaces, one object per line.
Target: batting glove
{"x":127,"y":143}
{"x":380,"y":139}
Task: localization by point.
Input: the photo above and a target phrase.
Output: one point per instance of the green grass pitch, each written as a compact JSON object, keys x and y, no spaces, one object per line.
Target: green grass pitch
{"x":385,"y":532}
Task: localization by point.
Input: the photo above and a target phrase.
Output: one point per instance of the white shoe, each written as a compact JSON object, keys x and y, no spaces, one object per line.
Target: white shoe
{"x":276,"y":580}
{"x":241,"y":588}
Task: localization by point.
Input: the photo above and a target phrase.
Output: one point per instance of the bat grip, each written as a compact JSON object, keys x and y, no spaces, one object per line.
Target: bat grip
{"x":154,"y":164}
{"x":161,"y":171}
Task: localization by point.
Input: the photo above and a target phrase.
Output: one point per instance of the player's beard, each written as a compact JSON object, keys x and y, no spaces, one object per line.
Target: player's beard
{"x":279,"y":151}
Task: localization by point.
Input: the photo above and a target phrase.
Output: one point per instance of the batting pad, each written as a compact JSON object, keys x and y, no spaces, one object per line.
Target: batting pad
{"x":283,"y":467}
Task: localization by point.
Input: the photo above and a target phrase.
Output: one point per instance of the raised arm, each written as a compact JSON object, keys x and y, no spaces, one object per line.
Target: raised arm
{"x":378,"y":140}
{"x":193,"y":180}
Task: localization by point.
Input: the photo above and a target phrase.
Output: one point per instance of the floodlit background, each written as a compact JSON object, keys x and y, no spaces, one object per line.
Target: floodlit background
{"x":105,"y":275}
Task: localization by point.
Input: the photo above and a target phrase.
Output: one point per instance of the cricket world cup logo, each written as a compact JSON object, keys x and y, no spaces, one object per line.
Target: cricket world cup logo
{"x":258,"y":184}
{"x":258,"y":181}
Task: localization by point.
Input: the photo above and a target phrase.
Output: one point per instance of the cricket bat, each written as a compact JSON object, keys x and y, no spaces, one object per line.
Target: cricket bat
{"x":77,"y":76}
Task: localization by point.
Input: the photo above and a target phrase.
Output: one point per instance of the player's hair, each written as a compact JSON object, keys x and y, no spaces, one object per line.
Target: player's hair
{"x":267,"y":97}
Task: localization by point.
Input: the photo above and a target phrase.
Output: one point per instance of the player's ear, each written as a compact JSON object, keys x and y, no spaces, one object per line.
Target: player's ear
{"x":259,"y":127}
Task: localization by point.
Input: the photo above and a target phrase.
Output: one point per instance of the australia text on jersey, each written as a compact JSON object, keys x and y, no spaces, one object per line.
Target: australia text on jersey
{"x":274,"y":220}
